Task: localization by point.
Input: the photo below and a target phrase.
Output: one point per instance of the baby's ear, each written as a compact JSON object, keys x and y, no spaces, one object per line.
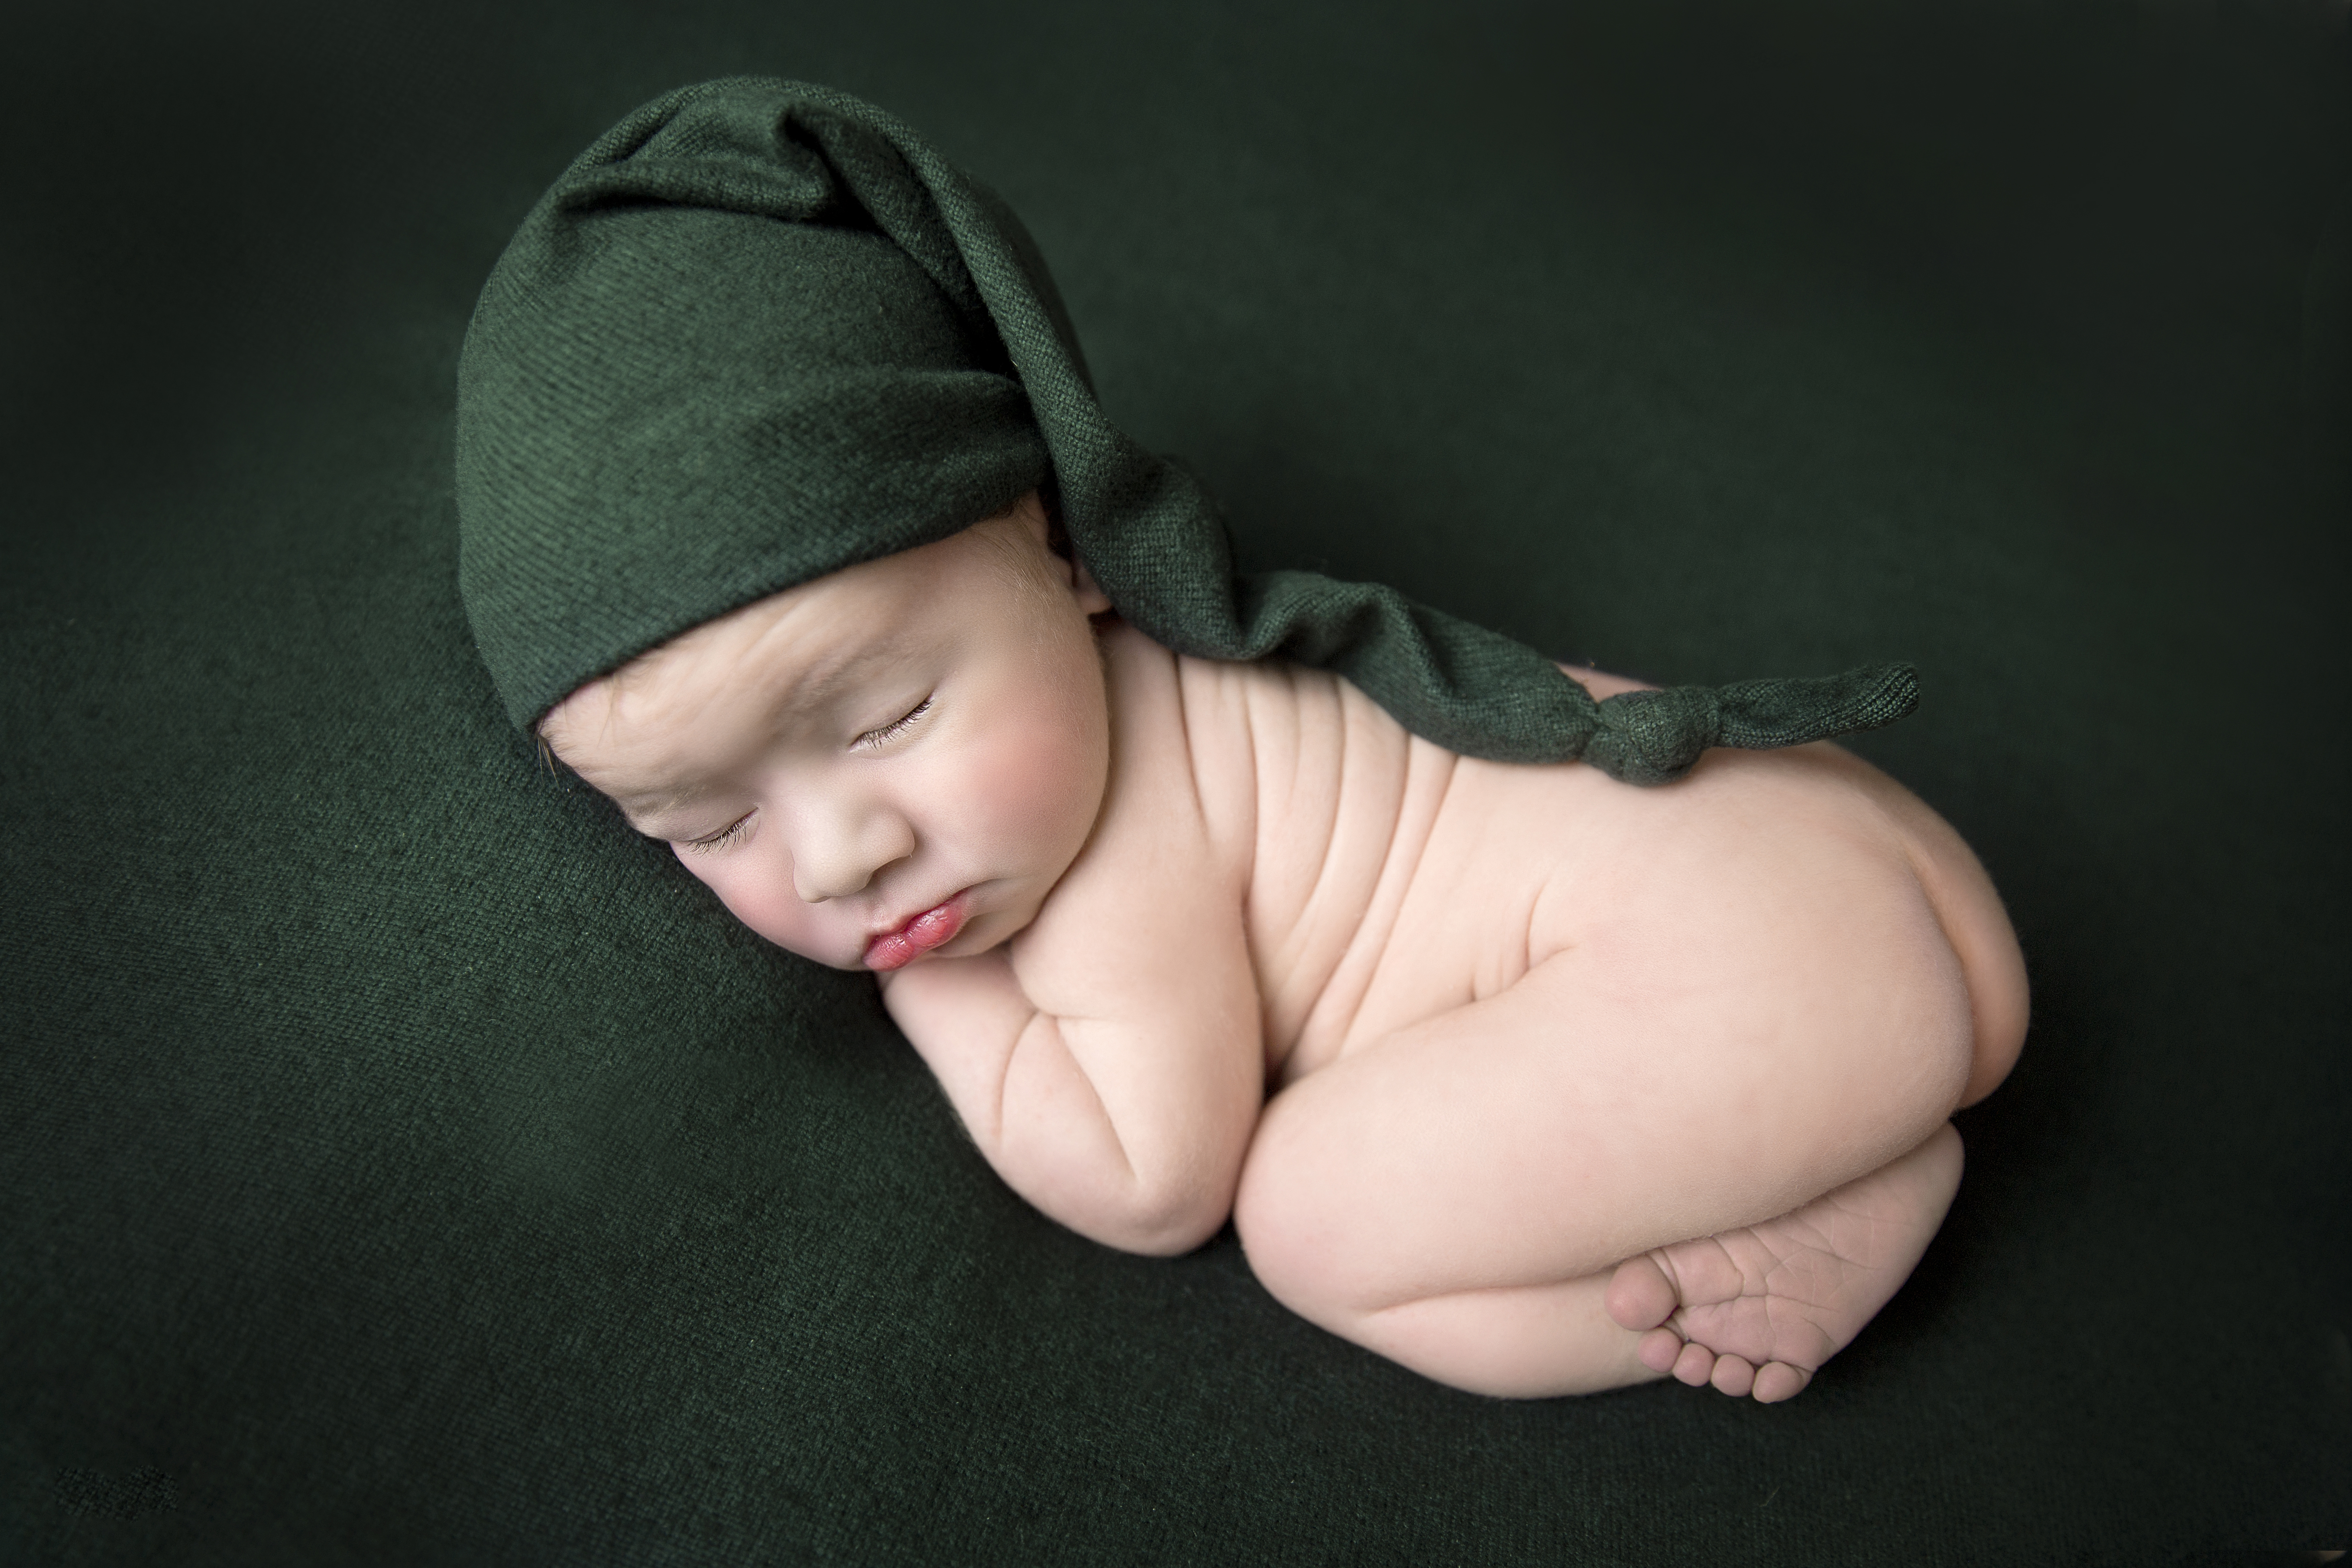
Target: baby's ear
{"x":1090,"y":596}
{"x":1031,"y":510}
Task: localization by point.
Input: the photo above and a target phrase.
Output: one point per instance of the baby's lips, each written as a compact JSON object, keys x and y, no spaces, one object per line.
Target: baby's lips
{"x":933,"y":927}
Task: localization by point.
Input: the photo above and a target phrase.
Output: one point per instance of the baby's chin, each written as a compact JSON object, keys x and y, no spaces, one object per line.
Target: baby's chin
{"x":986,"y":931}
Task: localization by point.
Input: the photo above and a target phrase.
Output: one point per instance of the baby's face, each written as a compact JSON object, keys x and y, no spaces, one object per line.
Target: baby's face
{"x":896,"y":760}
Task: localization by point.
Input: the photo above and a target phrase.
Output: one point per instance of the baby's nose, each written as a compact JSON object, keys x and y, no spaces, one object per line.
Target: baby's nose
{"x":839,"y":854}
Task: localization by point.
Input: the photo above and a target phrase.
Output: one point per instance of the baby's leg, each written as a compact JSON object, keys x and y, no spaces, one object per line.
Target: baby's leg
{"x":1758,"y":1309}
{"x":1760,"y":1044}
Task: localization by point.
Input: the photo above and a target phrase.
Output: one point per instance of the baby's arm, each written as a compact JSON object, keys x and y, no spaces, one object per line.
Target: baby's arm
{"x":1108,"y":1059}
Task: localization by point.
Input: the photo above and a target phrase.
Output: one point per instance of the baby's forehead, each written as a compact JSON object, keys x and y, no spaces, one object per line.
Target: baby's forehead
{"x":769,"y":666}
{"x":802,"y":650}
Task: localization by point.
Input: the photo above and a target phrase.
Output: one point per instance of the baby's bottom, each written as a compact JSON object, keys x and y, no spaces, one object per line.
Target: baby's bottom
{"x":1712,"y":1139}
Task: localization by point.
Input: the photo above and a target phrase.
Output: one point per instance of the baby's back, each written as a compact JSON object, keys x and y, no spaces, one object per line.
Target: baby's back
{"x":1387,"y":880}
{"x":1374,"y":895}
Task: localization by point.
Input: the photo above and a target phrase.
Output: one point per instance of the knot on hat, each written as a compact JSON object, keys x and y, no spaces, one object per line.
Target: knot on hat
{"x":1654,"y":737}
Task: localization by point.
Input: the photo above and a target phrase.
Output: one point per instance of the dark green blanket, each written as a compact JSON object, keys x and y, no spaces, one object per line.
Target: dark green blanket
{"x":400,"y":1163}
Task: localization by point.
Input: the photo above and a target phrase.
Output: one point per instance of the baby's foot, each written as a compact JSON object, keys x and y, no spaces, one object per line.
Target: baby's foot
{"x":1760,"y":1310}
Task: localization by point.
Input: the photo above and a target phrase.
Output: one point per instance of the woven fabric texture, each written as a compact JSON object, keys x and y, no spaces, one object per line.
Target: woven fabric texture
{"x":760,"y":330}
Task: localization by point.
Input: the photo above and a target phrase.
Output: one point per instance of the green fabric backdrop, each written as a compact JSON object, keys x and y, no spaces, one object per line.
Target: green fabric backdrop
{"x":401,"y":1163}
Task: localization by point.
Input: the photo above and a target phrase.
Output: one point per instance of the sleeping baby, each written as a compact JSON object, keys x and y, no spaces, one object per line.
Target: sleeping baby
{"x":1539,"y":1031}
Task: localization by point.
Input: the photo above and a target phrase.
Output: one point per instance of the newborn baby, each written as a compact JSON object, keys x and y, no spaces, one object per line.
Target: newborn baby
{"x":1532,"y":1080}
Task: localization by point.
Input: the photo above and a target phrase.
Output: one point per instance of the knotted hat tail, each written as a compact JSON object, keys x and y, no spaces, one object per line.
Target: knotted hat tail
{"x":762,"y":330}
{"x":1654,"y":737}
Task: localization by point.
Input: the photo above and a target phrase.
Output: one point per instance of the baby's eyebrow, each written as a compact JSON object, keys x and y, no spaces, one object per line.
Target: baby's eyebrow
{"x":834,"y":676}
{"x":637,"y":808}
{"x":644,"y":810}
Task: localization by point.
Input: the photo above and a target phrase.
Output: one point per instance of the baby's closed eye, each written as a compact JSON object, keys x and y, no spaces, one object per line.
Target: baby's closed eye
{"x":895,"y":728}
{"x":739,"y":829}
{"x":727,"y":835}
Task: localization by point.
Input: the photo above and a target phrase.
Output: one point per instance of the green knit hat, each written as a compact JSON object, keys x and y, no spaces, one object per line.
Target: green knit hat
{"x":762,"y":330}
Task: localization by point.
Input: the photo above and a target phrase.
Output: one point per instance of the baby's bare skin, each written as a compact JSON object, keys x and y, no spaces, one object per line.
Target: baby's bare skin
{"x":1528,"y":1022}
{"x":1572,"y":1084}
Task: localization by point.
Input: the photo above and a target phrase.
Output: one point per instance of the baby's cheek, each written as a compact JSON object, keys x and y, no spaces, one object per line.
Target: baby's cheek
{"x":763,"y":903}
{"x":1037,"y":783}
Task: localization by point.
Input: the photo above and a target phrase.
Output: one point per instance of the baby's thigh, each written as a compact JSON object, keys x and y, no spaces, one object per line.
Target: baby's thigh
{"x":1744,"y":999}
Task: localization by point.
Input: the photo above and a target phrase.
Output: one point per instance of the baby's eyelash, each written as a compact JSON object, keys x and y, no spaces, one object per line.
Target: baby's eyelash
{"x":895,"y":727}
{"x":725,"y":836}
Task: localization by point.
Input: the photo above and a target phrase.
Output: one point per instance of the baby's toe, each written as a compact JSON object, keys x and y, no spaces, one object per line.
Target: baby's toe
{"x":1777,"y":1380}
{"x":1733,"y":1376}
{"x":1694,"y":1364}
{"x":1641,"y":1296}
{"x":1659,"y":1349}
